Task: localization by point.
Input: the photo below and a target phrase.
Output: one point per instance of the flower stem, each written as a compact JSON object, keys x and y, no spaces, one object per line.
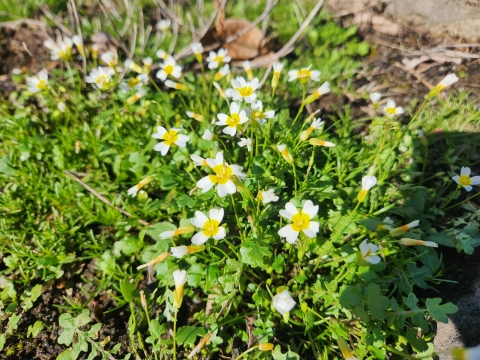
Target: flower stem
{"x":424,"y":164}
{"x":461,"y":202}
{"x":302,"y":105}
{"x":450,"y":198}
{"x":175,"y":335}
{"x":239,"y":224}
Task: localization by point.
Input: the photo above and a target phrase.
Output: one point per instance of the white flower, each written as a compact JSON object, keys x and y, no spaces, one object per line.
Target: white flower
{"x":304,"y":74}
{"x":179,"y":251}
{"x":367,"y":250}
{"x":147,"y":63}
{"x":257,"y":112}
{"x":472,"y":353}
{"x":170,"y":137}
{"x":301,"y":221}
{"x":197,"y":48}
{"x":216,"y":59}
{"x":231,"y":122}
{"x":315,"y":125}
{"x":375,"y":97}
{"x":322,"y":90}
{"x":137,"y":96}
{"x":404,"y":228}
{"x":448,"y":80}
{"x":176,"y":86}
{"x":243,"y":90}
{"x":180,"y":278}
{"x":367,"y":183}
{"x":134,"y":83}
{"x":61,"y":106}
{"x":39,"y":82}
{"x":414,"y":242}
{"x":222,"y":177}
{"x":100,"y":77}
{"x":207,"y":135}
{"x":224,"y":71}
{"x":386,"y":224}
{"x":134,"y":189}
{"x":162,"y":54}
{"x":246,"y":142}
{"x":195,"y":116}
{"x":319,"y":142}
{"x":277,"y":69}
{"x":198,"y":160}
{"x":62,"y":51}
{"x":180,"y":231}
{"x":464,"y":180}
{"x":164,"y":25}
{"x":248,"y":69}
{"x":169,"y":68}
{"x":267,"y":196}
{"x":283,"y":302}
{"x":78,"y":41}
{"x":391,"y":109}
{"x":285,"y":153}
{"x":130,"y":64}
{"x":210,"y":226}
{"x":110,"y":58}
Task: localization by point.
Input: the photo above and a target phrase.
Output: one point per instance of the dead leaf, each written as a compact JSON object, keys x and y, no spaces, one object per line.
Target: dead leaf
{"x":247,"y":46}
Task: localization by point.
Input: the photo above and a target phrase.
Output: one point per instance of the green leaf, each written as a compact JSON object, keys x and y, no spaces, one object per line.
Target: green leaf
{"x":66,"y":355}
{"x":338,"y":222}
{"x":289,"y":355}
{"x":411,"y":301}
{"x":417,"y":343}
{"x":3,"y":339}
{"x":187,"y":335}
{"x":351,"y":296}
{"x":67,"y":321}
{"x":196,"y":274}
{"x":439,"y":312}
{"x":127,"y":246}
{"x":278,"y":263}
{"x":156,"y":329}
{"x":5,"y":168}
{"x":107,"y":263}
{"x":253,"y":253}
{"x":34,"y":330}
{"x":445,"y":238}
{"x":34,"y":295}
{"x":185,"y":200}
{"x":376,"y":302}
{"x":127,"y":289}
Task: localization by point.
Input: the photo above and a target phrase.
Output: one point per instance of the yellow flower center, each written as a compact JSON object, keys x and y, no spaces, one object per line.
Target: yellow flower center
{"x":168,"y":69}
{"x":257,"y":114}
{"x":133,"y":82}
{"x":391,"y":111}
{"x":465,"y":180}
{"x":170,"y":137}
{"x":222,"y":174}
{"x":42,"y":84}
{"x":303,"y":75}
{"x":245,"y":91}
{"x":300,"y":221}
{"x":211,"y":227}
{"x":218,"y":59}
{"x":233,"y":120}
{"x":101,"y":79}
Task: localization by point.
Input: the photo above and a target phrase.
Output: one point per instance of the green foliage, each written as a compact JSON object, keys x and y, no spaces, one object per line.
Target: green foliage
{"x":51,"y":223}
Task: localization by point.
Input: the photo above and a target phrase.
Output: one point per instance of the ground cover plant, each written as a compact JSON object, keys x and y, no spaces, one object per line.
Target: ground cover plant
{"x":224,"y":216}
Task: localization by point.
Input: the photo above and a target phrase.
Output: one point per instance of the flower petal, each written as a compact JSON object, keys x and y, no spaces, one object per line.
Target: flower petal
{"x":205,"y":184}
{"x":199,"y":220}
{"x":221,"y":233}
{"x":312,"y":230}
{"x":216,"y":214}
{"x":199,"y":238}
{"x":288,"y":233}
{"x":310,"y":209}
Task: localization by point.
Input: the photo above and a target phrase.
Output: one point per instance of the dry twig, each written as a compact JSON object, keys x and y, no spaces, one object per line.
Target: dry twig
{"x":96,"y":194}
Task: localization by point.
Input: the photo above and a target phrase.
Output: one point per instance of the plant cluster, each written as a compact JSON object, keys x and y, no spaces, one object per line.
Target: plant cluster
{"x":307,"y":242}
